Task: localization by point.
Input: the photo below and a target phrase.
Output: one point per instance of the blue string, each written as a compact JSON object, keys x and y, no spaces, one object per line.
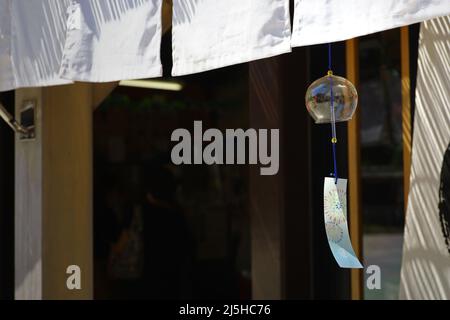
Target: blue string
{"x":333,"y":117}
{"x":329,"y":56}
{"x":335,"y":164}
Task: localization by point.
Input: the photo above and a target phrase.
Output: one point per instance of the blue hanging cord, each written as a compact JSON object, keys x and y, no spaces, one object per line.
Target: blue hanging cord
{"x":333,"y":116}
{"x":329,"y":56}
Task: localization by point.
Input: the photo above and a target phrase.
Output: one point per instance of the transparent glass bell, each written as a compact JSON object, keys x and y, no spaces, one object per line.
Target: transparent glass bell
{"x":318,"y":102}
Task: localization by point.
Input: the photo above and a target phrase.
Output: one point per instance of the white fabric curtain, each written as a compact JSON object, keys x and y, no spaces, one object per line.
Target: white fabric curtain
{"x":32,"y":35}
{"x":50,"y":42}
{"x":210,"y":34}
{"x":322,"y":21}
{"x":112,"y":40}
{"x":7,"y":80}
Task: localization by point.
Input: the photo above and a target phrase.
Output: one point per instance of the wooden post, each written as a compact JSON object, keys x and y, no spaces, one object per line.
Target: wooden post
{"x":101,"y":91}
{"x":280,"y":204}
{"x":406,"y":112}
{"x":166,"y":15}
{"x":53,"y":214}
{"x":354,"y":173}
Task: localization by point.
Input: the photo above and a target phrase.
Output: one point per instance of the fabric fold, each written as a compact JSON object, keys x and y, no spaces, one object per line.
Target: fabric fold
{"x":112,"y":40}
{"x":210,"y":34}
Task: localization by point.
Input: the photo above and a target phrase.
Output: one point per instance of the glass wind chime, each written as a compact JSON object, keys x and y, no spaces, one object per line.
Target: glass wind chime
{"x":332,"y":99}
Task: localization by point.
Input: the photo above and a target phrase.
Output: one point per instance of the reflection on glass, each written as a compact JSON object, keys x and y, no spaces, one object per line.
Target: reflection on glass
{"x":318,"y":99}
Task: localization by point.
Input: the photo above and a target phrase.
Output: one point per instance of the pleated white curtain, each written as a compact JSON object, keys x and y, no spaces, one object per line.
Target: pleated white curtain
{"x":50,"y":42}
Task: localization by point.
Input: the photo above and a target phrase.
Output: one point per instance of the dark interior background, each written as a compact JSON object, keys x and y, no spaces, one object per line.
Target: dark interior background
{"x":7,"y":202}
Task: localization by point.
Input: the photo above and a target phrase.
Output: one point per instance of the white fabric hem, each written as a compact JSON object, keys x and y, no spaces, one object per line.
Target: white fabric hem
{"x":37,"y":85}
{"x":108,"y":74}
{"x":183,"y":67}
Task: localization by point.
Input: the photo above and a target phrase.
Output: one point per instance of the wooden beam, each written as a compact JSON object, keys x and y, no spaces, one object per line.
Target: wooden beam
{"x":101,"y":91}
{"x":406,"y":112}
{"x":354,"y":172}
{"x":166,"y":15}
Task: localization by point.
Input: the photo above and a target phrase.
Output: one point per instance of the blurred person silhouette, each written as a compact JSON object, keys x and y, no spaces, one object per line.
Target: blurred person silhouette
{"x":111,"y":218}
{"x":168,"y":245}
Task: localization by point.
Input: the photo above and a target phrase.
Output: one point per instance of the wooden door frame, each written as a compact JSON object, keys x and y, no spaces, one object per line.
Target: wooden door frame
{"x":406,"y":111}
{"x":354,"y":165}
{"x":354,"y":172}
